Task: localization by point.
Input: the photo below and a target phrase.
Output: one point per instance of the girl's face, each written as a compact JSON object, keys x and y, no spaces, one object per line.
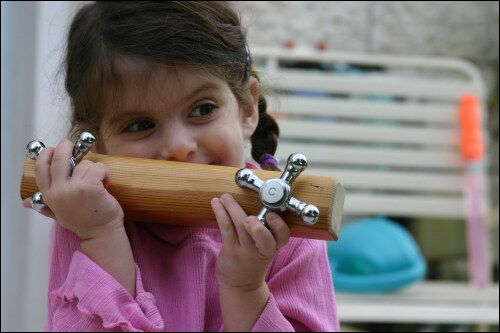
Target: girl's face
{"x":181,"y":115}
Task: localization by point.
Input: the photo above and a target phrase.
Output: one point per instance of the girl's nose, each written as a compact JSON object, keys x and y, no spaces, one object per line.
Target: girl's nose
{"x":179,"y":146}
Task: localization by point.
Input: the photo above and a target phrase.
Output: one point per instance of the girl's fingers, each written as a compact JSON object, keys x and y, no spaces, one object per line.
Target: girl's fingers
{"x":42,"y":169}
{"x":81,"y":170}
{"x":229,"y":236}
{"x":96,"y":172}
{"x":60,"y":165}
{"x":280,"y":229}
{"x":238,"y":218}
{"x":45,"y":210}
{"x":264,"y":240}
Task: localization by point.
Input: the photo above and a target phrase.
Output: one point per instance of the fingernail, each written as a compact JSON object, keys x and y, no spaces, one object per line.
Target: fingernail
{"x":272,"y":216}
{"x":250,"y":221}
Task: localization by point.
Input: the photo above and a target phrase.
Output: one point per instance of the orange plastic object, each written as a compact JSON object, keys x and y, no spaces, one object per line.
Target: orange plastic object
{"x":471,"y":143}
{"x":289,"y":44}
{"x":321,"y":46}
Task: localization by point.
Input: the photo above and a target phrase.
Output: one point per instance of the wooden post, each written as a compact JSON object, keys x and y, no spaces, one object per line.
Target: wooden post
{"x":180,"y":193}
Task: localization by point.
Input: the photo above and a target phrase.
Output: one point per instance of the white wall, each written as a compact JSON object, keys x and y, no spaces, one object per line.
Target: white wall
{"x":33,"y":107}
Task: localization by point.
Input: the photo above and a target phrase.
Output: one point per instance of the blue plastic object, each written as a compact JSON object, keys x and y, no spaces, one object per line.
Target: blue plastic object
{"x":375,"y":255}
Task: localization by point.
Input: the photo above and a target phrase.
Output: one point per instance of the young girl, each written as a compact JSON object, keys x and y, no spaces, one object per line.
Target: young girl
{"x":170,"y":81}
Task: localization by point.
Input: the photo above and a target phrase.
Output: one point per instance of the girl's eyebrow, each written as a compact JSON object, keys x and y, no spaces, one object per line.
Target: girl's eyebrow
{"x":117,"y":116}
{"x":123,"y":114}
{"x":201,"y":88}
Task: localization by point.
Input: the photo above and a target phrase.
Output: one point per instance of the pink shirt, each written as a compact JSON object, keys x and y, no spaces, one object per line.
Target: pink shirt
{"x":176,"y":288}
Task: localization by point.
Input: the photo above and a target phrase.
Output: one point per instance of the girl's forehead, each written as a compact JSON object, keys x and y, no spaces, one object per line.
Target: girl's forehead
{"x":146,"y":83}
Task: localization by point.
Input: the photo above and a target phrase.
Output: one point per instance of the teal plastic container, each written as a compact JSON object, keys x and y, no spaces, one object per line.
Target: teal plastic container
{"x":375,"y":255}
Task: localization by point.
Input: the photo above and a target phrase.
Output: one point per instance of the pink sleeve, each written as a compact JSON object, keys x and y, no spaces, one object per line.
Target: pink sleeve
{"x":302,"y":295}
{"x":84,"y":297}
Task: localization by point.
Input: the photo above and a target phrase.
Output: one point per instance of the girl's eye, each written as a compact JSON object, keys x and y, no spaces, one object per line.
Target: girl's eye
{"x":139,"y":126}
{"x":202,"y":110}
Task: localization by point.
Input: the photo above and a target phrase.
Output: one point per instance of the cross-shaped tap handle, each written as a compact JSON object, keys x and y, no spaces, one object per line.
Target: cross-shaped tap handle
{"x":82,"y":146}
{"x":275,"y":194}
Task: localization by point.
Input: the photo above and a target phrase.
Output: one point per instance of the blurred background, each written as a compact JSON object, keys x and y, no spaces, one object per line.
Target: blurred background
{"x":34,"y":106}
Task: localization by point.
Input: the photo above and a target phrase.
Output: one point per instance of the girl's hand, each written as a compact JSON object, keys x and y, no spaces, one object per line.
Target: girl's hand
{"x":248,"y":247}
{"x":81,"y":202}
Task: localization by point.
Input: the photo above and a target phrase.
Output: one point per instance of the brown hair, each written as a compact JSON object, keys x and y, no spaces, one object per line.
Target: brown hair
{"x":205,"y":34}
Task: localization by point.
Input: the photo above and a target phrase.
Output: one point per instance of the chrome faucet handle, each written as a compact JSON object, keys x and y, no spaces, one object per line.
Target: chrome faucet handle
{"x":82,"y":146}
{"x":275,"y":193}
{"x":34,"y":148}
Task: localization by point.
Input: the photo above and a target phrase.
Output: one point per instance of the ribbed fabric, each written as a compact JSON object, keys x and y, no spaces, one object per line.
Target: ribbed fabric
{"x":176,"y":288}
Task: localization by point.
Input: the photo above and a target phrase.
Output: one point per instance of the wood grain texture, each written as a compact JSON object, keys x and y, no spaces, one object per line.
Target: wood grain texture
{"x":180,"y":193}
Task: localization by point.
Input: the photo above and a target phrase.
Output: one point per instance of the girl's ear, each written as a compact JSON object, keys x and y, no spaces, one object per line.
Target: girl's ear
{"x":251,"y":110}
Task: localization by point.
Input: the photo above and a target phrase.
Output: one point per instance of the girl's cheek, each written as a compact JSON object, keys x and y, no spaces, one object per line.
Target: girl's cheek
{"x":143,"y":151}
{"x":127,"y":148}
